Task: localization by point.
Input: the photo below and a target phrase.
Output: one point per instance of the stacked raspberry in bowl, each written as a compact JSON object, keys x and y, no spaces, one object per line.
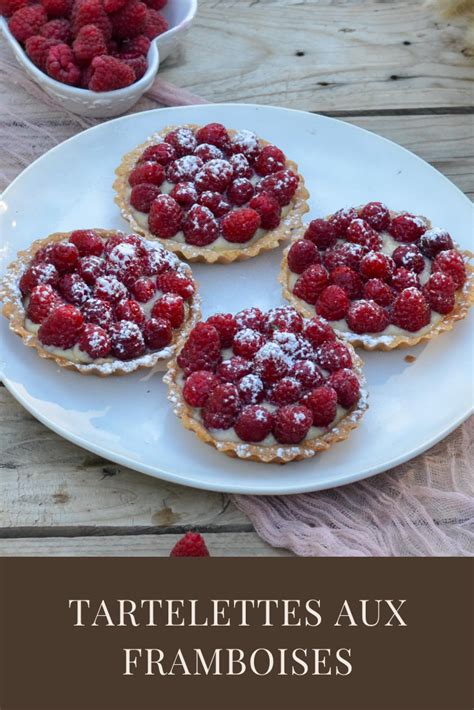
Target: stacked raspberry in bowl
{"x":100,"y":45}
{"x":382,"y":279}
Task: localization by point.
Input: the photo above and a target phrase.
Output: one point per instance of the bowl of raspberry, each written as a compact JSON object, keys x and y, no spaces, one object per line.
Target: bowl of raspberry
{"x":95,"y":57}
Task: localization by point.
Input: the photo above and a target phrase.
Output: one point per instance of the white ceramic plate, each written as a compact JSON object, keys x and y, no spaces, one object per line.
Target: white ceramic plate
{"x":128,"y":419}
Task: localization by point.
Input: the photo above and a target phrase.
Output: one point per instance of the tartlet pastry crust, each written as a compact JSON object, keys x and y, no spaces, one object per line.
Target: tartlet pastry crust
{"x":289,"y":224}
{"x":14,"y":311}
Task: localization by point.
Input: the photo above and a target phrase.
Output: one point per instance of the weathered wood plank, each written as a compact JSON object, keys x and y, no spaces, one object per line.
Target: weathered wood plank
{"x":219,"y":544}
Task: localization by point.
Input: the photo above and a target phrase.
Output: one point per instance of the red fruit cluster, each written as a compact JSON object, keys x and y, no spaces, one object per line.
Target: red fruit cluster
{"x":100,"y":45}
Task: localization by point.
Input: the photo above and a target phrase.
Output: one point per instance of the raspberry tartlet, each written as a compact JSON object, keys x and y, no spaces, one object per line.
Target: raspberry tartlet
{"x":269,"y":387}
{"x":211,"y":194}
{"x":382,"y":279}
{"x":100,"y":302}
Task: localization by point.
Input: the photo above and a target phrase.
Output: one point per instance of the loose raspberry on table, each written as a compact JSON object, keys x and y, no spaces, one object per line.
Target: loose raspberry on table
{"x":410,"y":310}
{"x":207,"y":151}
{"x":268,"y":208}
{"x":251,"y":389}
{"x":376,"y":214}
{"x":198,"y":386}
{"x":332,"y":303}
{"x":378,"y":291}
{"x":322,"y":233}
{"x":27,"y":21}
{"x":402,"y":278}
{"x":347,"y":279}
{"x":143,"y":289}
{"x":214,"y":134}
{"x":130,"y":310}
{"x":271,"y":363}
{"x":240,"y":225}
{"x":311,"y":283}
{"x":287,"y":391}
{"x":173,"y":282}
{"x":185,"y":194}
{"x":126,"y":339}
{"x":240,"y":191}
{"x":183,"y":141}
{"x":163,"y":153}
{"x":109,"y":74}
{"x":435,"y":240}
{"x":410,"y":257}
{"x":62,"y":328}
{"x":143,"y":195}
{"x":452,"y":263}
{"x":184,"y":169}
{"x":171,"y":307}
{"x":254,"y":424}
{"x":233,"y":369}
{"x":99,"y":312}
{"x":247,"y":342}
{"x":292,"y":423}
{"x":9,"y":7}
{"x":360,"y":232}
{"x":270,"y":160}
{"x":151,"y":172}
{"x":246,"y":143}
{"x":333,"y":355}
{"x":222,"y":407}
{"x":40,"y":273}
{"x":302,"y":254}
{"x":192,"y":544}
{"x":318,"y":331}
{"x":37,"y":48}
{"x":407,"y":228}
{"x":282,"y":185}
{"x":215,"y":202}
{"x":165,"y":218}
{"x":376,"y":265}
{"x":59,"y":30}
{"x":341,"y":220}
{"x":158,"y":333}
{"x":283,"y":318}
{"x":43,"y":299}
{"x":214,"y":176}
{"x":108,"y":288}
{"x":90,"y":12}
{"x":250,"y":318}
{"x":307,"y":373}
{"x":347,"y":387}
{"x":240,"y":165}
{"x":439,"y":291}
{"x":200,"y":227}
{"x":226,"y":326}
{"x":130,"y":21}
{"x":347,"y":254}
{"x":367,"y":317}
{"x":87,"y":242}
{"x":61,"y":65}
{"x":74,"y":289}
{"x":322,"y":402}
{"x":95,"y":341}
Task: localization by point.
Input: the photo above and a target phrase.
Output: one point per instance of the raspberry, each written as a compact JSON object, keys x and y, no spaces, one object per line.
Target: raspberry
{"x":87,"y":242}
{"x":450,"y":262}
{"x":402,"y":278}
{"x":322,"y":233}
{"x":360,"y":232}
{"x":156,"y":261}
{"x":61,"y":65}
{"x":37,"y":49}
{"x":215,"y":176}
{"x":64,"y":256}
{"x":307,"y":373}
{"x":130,"y":310}
{"x":251,"y":389}
{"x":271,"y":363}
{"x":191,"y":545}
{"x":127,"y":273}
{"x":74,"y":289}
{"x":247,"y":342}
{"x":333,"y":355}
{"x":214,"y":134}
{"x":198,"y":386}
{"x":90,"y":12}
{"x":439,"y":292}
{"x":43,"y":254}
{"x":407,"y":228}
{"x":215,"y":202}
{"x":246,"y":143}
{"x":139,"y":244}
{"x":410,"y":257}
{"x":108,"y":288}
{"x":136,"y":45}
{"x":126,"y":340}
{"x":120,"y":255}
{"x":172,"y":282}
{"x":293,"y":345}
{"x":317,"y":331}
{"x":9,"y":7}
{"x":94,"y":341}
{"x":347,"y":279}
{"x":27,"y":21}
{"x":240,"y":225}
{"x":143,"y":289}
{"x":341,"y":219}
{"x":347,"y":387}
{"x":270,"y":160}
{"x":367,"y":317}
{"x":376,"y":215}
{"x":250,"y":318}
{"x":234,"y":369}
{"x":41,"y":273}
{"x":114,"y":5}
{"x":57,"y":8}
{"x":143,"y":195}
{"x":240,"y":166}
{"x":62,"y":328}
{"x":171,"y":307}
{"x":378,"y":291}
{"x":347,"y":254}
{"x":199,"y":227}
{"x":311,"y":283}
{"x":376,"y":265}
{"x":240,"y":191}
{"x":435,"y":240}
{"x":162,"y":153}
{"x":156,"y":4}
{"x":226,"y":326}
{"x":322,"y":402}
{"x":222,"y":407}
{"x":109,"y":74}
{"x":153,"y":173}
{"x":184,"y":169}
{"x":332,"y":303}
{"x":292,"y":423}
{"x":254,"y":424}
{"x":282,"y":185}
{"x":283,"y":318}
{"x":302,"y":254}
{"x":158,"y":333}
{"x":185,"y":194}
{"x":183,"y":141}
{"x":138,"y":64}
{"x":410,"y":310}
{"x":89,"y":43}
{"x":268,"y":208}
{"x":59,"y":30}
{"x":130,"y":21}
{"x":287,"y":391}
{"x":166,"y":217}
{"x":97,"y":311}
{"x":206,"y":152}
{"x":43,"y":299}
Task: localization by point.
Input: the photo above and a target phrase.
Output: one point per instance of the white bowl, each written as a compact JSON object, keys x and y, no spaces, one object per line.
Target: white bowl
{"x":179,"y":13}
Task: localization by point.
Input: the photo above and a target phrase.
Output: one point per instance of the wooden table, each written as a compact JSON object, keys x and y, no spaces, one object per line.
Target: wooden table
{"x":391,"y":67}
